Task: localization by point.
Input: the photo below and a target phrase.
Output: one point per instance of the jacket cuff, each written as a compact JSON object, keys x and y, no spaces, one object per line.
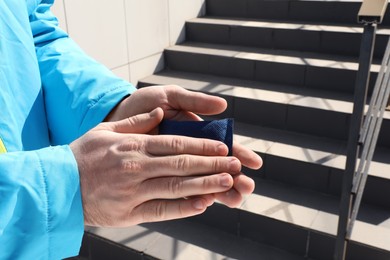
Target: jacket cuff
{"x":102,"y":107}
{"x":65,"y":219}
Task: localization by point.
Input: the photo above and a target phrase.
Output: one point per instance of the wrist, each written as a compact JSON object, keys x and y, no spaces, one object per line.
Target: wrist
{"x":114,"y":114}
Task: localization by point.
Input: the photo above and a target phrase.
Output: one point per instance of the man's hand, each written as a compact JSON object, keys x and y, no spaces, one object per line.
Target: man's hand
{"x":180,"y":104}
{"x":127,"y":179}
{"x":177,"y":103}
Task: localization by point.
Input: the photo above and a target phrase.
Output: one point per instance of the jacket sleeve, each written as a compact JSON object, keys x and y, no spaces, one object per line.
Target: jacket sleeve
{"x":79,"y":92}
{"x":40,"y":205}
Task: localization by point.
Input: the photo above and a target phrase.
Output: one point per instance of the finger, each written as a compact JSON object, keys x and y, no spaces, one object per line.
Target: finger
{"x":210,"y":198}
{"x":188,"y":165}
{"x":196,"y":102}
{"x":179,"y":187}
{"x":247,"y":157}
{"x":142,"y":123}
{"x":233,"y":198}
{"x":161,"y":210}
{"x":243,"y":184}
{"x":181,"y":115}
{"x":173,"y":144}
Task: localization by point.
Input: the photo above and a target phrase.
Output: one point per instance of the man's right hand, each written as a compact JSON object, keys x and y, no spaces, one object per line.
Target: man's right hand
{"x":128,"y":179}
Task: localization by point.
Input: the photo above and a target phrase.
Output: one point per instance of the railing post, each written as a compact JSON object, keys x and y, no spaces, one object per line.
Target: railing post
{"x":371,"y":13}
{"x":361,"y":86}
{"x":388,"y":104}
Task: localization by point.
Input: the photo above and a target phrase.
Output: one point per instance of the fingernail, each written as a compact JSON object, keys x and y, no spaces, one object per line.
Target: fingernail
{"x":226,"y":181}
{"x":222,"y":149}
{"x":198,"y":204}
{"x":235,"y":164}
{"x":153,"y":113}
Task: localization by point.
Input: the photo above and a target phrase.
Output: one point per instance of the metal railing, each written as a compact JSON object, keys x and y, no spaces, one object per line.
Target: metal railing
{"x":363,"y":136}
{"x":388,"y":104}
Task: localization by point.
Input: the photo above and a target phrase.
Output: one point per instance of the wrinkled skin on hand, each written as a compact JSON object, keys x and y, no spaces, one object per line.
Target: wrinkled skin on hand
{"x":180,"y":104}
{"x":128,"y":177}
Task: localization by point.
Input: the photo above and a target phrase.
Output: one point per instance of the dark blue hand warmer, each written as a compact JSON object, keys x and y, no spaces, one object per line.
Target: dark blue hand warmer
{"x":221,"y":130}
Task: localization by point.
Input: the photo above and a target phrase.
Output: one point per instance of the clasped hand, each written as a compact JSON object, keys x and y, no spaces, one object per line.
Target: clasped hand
{"x":129,"y":176}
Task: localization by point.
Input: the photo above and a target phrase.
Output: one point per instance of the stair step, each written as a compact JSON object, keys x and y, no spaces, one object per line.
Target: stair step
{"x":286,"y":107}
{"x":184,"y":240}
{"x":313,"y":162}
{"x":331,"y":39}
{"x":302,"y":222}
{"x":328,"y":11}
{"x":298,"y":221}
{"x":315,"y":211}
{"x":311,"y":70}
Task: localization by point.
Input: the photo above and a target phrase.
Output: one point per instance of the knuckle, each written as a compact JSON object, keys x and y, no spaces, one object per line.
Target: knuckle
{"x":182,"y":163}
{"x":130,"y":166}
{"x":154,"y":212}
{"x":181,"y":210}
{"x":174,"y":186}
{"x":130,"y":145}
{"x":111,"y":152}
{"x":172,"y":87}
{"x":160,"y":210}
{"x":177,"y":145}
{"x":133,"y":120}
{"x":206,"y":183}
{"x":216,"y":165}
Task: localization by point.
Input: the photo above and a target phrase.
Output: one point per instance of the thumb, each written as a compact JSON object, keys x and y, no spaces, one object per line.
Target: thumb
{"x":139,"y":124}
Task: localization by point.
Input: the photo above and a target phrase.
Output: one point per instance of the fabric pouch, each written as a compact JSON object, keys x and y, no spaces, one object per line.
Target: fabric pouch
{"x":220,"y":130}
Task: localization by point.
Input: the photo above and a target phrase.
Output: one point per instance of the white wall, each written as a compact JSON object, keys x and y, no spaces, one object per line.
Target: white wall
{"x":128,"y":36}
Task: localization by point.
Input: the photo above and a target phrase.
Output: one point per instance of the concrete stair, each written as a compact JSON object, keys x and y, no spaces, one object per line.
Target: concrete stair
{"x":271,"y":34}
{"x":308,"y":11}
{"x":287,"y":69}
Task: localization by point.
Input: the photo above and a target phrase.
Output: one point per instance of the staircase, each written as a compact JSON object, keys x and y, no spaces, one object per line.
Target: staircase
{"x":287,"y":69}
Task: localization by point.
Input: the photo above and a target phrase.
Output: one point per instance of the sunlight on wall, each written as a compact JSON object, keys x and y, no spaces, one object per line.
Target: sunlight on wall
{"x":127,"y":36}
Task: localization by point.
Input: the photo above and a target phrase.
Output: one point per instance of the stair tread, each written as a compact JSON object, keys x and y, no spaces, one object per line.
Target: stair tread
{"x":272,"y":55}
{"x":181,"y":239}
{"x":306,"y":148}
{"x":317,"y":212}
{"x":329,"y":11}
{"x":265,"y":91}
{"x":296,"y":146}
{"x":309,"y":210}
{"x":292,"y":25}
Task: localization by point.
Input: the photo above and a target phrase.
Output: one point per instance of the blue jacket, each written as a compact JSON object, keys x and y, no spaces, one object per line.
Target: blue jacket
{"x":50,"y":94}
